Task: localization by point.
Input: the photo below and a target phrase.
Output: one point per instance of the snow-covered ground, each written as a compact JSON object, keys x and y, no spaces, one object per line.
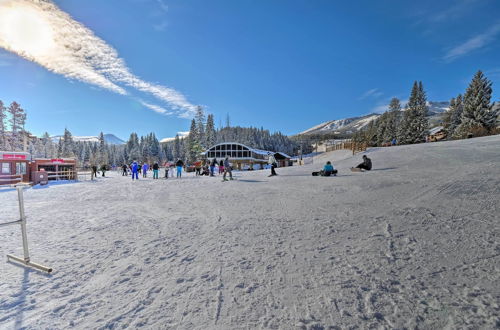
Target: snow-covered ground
{"x":415,"y":243}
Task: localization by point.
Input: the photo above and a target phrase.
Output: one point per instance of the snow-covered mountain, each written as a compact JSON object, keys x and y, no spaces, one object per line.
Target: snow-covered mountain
{"x":342,"y":126}
{"x":351,"y":125}
{"x":109,"y":138}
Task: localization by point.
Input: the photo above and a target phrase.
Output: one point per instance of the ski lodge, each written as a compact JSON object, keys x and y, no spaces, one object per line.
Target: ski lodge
{"x":21,"y":167}
{"x":244,"y":157}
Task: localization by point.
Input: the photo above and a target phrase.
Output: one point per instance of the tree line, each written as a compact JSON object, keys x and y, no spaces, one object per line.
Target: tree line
{"x":470,"y":115}
{"x":12,"y":132}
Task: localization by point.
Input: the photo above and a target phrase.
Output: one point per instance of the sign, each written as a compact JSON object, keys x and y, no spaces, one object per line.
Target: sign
{"x":14,"y":157}
{"x":57,"y":161}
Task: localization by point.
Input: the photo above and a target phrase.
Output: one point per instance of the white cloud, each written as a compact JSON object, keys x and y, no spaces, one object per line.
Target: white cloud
{"x":375,"y":93}
{"x":477,"y":42}
{"x":156,"y":108}
{"x":40,"y":32}
{"x":163,"y":5}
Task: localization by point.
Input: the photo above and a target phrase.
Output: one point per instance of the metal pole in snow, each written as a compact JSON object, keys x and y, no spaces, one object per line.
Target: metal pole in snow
{"x":23,"y":223}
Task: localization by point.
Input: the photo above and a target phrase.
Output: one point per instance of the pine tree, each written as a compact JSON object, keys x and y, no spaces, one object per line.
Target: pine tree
{"x":17,"y":119}
{"x":414,"y":126}
{"x":102,"y":154}
{"x":3,"y":127}
{"x":67,"y":145}
{"x":177,"y":154}
{"x":210,"y":131}
{"x":477,"y":111}
{"x":391,"y":130}
{"x":133,"y":148}
{"x":200,"y":126}
{"x":193,"y":143}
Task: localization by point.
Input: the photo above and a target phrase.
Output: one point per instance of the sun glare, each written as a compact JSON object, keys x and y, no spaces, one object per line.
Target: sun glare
{"x":24,"y":30}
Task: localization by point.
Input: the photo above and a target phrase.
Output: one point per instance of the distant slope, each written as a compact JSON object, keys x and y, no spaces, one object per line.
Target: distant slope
{"x":351,"y":125}
{"x":109,"y":138}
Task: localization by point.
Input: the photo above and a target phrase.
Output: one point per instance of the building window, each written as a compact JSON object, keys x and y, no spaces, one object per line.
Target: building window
{"x":5,"y":168}
{"x":240,"y":147}
{"x":20,"y":168}
{"x":217,"y":154}
{"x":223,"y":147}
{"x":240,"y":154}
{"x":217,"y":147}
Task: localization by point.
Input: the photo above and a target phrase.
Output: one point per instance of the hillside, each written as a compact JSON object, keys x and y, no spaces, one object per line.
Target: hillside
{"x":109,"y":138}
{"x":351,"y":125}
{"x":412,"y":244}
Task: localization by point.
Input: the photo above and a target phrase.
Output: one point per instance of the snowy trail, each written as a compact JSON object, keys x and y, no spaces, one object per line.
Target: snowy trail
{"x":413,"y":243}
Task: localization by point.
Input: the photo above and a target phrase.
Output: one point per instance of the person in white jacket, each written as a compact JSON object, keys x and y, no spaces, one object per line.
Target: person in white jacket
{"x":272,"y":162}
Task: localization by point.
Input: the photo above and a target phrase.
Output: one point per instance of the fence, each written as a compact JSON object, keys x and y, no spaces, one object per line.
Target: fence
{"x":10,"y":178}
{"x":22,"y":221}
{"x":62,"y":175}
{"x":348,"y":145}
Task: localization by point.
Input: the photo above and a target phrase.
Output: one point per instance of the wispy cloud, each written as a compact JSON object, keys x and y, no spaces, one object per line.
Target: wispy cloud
{"x":454,"y":11}
{"x":373,"y":93}
{"x":40,"y":32}
{"x":160,"y":27}
{"x":156,"y":108}
{"x":163,"y":5}
{"x":477,"y":42}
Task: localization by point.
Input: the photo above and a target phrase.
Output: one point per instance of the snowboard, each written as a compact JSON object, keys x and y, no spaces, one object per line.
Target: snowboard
{"x":355,"y":169}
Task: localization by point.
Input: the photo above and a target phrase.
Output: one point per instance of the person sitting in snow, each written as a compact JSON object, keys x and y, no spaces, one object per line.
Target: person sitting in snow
{"x":328,"y":170}
{"x":366,"y":164}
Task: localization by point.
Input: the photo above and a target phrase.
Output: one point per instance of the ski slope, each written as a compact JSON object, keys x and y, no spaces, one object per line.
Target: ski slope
{"x":413,"y":243}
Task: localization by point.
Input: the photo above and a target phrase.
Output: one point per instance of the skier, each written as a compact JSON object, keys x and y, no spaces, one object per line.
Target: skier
{"x":179,"y":165}
{"x":124,"y":170}
{"x":272,"y":162}
{"x":104,"y":168}
{"x":93,"y":173}
{"x":212,"y":166}
{"x":156,"y":168}
{"x":227,"y":169}
{"x":145,"y":169}
{"x":135,"y":170}
{"x":221,"y":167}
{"x":366,"y":164}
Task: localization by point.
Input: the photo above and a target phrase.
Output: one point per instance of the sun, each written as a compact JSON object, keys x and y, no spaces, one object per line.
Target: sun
{"x":25,"y":30}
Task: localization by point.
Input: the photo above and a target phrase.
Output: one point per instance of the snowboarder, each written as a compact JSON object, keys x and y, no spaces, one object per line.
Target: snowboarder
{"x":272,"y":162}
{"x":156,"y":168}
{"x":327,"y":170}
{"x":212,"y":167}
{"x":93,"y":173}
{"x":135,"y":170}
{"x":366,"y":164}
{"x":179,"y":165}
{"x":124,"y":170}
{"x":145,"y":169}
{"x":227,"y":169}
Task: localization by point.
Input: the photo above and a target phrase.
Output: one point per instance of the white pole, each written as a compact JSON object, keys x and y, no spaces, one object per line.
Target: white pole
{"x":23,"y":223}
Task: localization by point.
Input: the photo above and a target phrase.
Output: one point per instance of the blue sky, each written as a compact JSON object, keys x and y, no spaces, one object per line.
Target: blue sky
{"x":284,"y":65}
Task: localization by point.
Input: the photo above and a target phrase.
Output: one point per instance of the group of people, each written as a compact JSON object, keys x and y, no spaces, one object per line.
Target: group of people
{"x":136,"y":168}
{"x":94,"y":171}
{"x":329,"y":170}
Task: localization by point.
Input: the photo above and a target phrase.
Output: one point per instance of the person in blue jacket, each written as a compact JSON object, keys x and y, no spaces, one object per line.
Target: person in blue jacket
{"x":135,"y":170}
{"x":328,"y":169}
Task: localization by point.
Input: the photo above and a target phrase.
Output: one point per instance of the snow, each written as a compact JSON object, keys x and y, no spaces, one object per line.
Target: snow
{"x":412,"y":244}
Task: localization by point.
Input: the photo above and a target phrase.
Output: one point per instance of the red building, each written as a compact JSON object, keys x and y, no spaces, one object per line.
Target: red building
{"x":14,"y":167}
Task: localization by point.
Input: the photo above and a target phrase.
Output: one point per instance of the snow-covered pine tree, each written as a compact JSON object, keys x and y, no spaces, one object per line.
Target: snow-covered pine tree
{"x":414,"y":126}
{"x":210,"y":131}
{"x":200,"y":126}
{"x":392,"y":120}
{"x":133,"y":148}
{"x":477,"y":111}
{"x":68,"y":145}
{"x":102,"y":153}
{"x":381,"y":124}
{"x":3,"y":127}
{"x":17,"y":119}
